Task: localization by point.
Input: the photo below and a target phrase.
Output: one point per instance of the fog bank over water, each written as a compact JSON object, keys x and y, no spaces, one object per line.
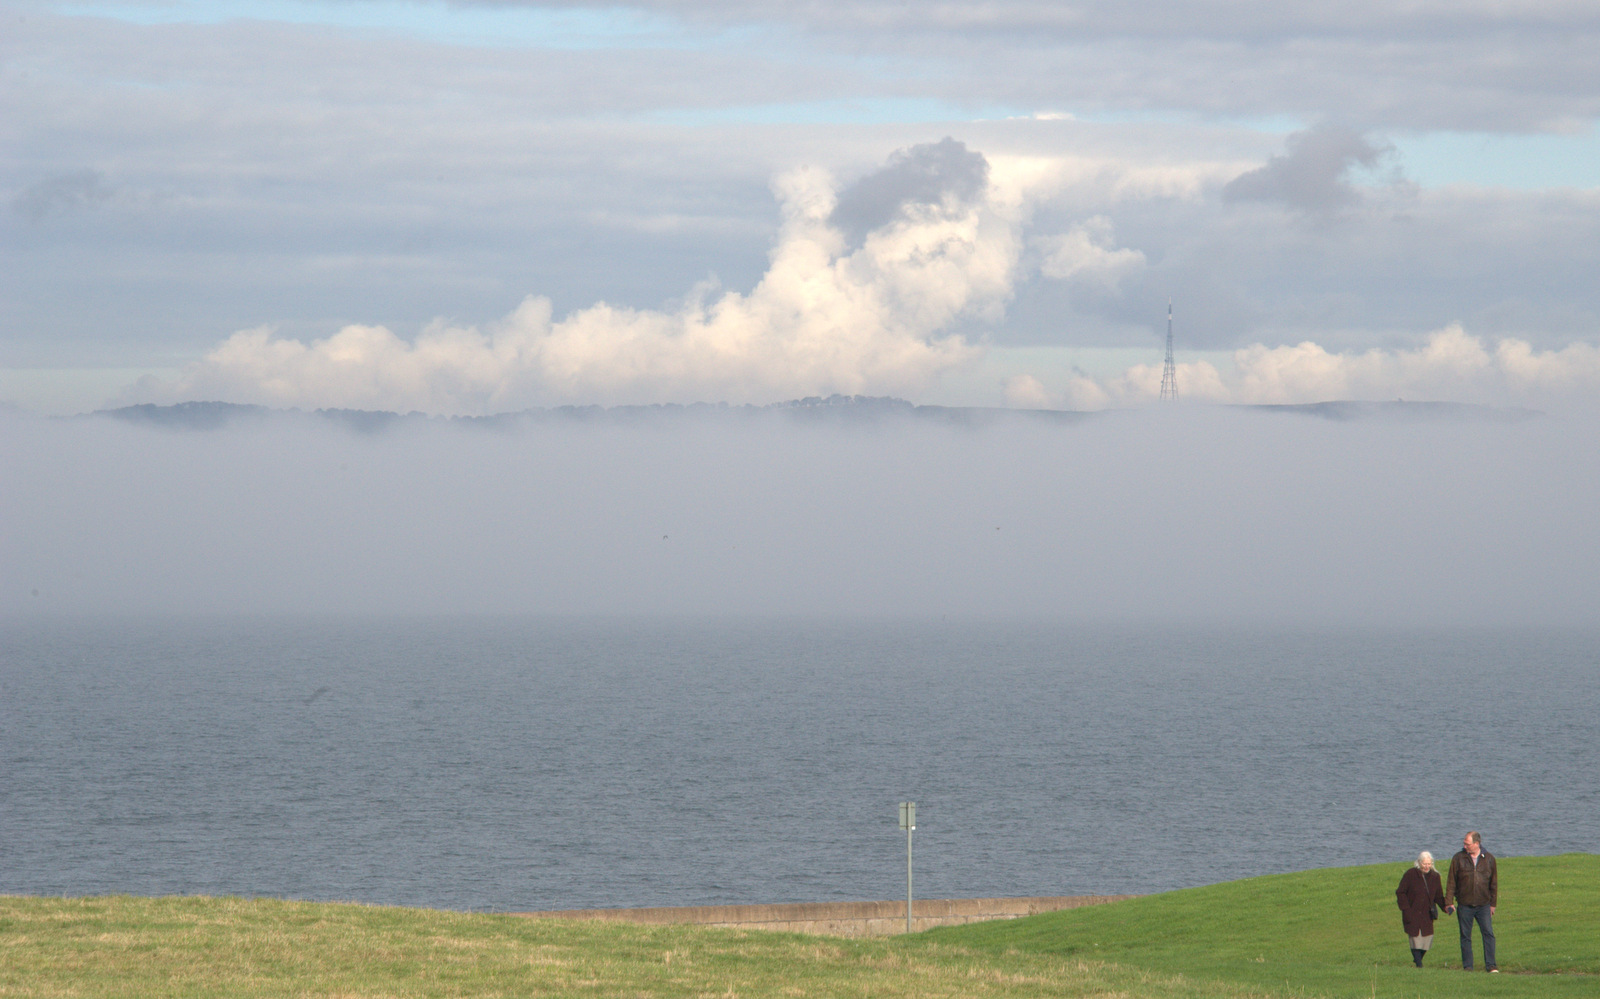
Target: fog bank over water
{"x":1181,"y":514}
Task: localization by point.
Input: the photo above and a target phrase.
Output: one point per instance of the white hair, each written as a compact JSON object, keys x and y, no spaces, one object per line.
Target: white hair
{"x":1424,"y":855}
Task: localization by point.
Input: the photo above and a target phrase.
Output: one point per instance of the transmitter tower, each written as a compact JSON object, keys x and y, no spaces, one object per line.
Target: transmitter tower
{"x":1169,"y":371}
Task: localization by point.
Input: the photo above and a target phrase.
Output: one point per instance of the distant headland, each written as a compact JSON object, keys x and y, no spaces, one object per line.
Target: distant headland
{"x":835,"y":409}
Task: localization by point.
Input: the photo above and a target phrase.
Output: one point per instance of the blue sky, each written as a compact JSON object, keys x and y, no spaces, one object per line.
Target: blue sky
{"x":509,"y":26}
{"x":1520,"y":162}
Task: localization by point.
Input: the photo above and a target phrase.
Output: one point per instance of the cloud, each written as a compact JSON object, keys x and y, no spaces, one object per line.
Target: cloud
{"x":1088,"y":251}
{"x":1451,"y":365}
{"x":1312,"y":174}
{"x":449,"y":180}
{"x":1027,"y":392}
{"x":1575,"y":367}
{"x":824,"y":318}
{"x":1101,"y":17}
{"x":62,"y":193}
{"x":926,"y":175}
{"x":1436,"y":64}
{"x":1450,"y":361}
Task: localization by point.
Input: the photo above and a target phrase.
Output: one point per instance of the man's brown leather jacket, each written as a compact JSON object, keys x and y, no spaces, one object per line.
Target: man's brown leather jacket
{"x":1472,"y":884}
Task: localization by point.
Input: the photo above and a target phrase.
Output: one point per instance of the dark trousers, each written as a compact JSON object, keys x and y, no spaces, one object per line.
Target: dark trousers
{"x":1466,"y":915}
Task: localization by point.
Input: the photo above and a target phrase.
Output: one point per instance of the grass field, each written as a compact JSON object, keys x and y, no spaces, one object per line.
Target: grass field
{"x":1331,"y":933}
{"x":1318,"y":933}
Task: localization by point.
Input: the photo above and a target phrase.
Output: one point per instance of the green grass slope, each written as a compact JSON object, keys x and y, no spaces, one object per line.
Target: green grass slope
{"x":1332,"y":932}
{"x":212,"y":947}
{"x":1320,"y":933}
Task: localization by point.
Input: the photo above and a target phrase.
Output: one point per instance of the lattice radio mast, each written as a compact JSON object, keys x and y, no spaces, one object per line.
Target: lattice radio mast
{"x":1169,"y":371}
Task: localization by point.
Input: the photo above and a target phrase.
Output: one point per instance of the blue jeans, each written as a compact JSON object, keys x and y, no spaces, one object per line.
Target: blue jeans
{"x":1466,"y":915}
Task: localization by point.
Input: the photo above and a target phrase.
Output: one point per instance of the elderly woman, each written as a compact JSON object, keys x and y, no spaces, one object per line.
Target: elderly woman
{"x":1418,"y":893}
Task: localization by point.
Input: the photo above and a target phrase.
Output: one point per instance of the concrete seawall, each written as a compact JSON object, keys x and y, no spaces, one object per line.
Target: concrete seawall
{"x":845,"y":919}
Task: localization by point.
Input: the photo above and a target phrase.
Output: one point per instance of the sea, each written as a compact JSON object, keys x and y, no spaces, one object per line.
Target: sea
{"x":516,"y":764}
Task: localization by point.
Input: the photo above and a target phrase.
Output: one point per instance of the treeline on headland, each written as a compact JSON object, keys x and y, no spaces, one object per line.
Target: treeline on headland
{"x":835,"y":409}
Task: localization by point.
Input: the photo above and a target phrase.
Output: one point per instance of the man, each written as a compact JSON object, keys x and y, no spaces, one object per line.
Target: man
{"x":1472,"y":891}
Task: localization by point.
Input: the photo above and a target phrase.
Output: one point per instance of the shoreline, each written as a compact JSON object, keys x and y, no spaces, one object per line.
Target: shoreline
{"x":849,"y":919}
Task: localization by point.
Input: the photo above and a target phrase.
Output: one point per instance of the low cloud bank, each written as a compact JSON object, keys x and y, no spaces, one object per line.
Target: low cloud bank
{"x":1165,"y":513}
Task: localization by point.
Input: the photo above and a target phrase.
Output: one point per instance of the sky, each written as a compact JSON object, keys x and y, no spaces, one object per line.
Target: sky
{"x":477,"y":207}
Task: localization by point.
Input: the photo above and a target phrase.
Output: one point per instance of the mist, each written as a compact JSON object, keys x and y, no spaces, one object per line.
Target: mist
{"x":1177,"y":514}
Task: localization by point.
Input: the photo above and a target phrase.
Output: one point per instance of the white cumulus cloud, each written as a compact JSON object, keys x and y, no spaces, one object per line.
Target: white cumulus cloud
{"x":1088,"y":251}
{"x":828,"y":316}
{"x":1451,"y":365}
{"x":1028,"y":392}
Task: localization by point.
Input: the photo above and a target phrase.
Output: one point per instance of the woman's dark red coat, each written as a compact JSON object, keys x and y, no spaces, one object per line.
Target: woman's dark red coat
{"x":1416,"y":892}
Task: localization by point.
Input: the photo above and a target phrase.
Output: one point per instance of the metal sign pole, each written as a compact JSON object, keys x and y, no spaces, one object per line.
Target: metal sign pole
{"x":908,"y":822}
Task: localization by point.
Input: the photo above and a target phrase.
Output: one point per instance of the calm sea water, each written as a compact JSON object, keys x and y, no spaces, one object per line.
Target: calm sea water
{"x":513,"y":765}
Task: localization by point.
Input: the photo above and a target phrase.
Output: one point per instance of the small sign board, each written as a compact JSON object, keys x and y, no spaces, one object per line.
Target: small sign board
{"x":908,"y":815}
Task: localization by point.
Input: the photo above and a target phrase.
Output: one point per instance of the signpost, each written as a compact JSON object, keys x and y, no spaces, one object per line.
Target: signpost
{"x":908,"y":822}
